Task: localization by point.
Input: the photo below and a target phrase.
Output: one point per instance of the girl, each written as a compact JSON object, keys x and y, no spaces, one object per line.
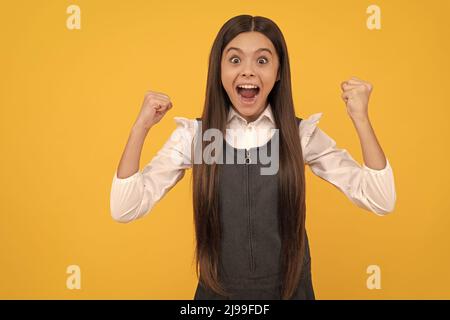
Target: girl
{"x":251,"y":241}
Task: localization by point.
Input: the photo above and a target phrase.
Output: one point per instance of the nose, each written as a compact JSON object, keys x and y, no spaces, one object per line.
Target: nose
{"x":247,"y":74}
{"x":247,"y":70}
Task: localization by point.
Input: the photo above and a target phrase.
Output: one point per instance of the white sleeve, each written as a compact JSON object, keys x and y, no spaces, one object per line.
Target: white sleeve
{"x":370,"y":189}
{"x":133,"y":197}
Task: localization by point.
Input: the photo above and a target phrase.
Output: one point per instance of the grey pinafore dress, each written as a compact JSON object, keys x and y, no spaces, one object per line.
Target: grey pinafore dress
{"x":251,"y":244}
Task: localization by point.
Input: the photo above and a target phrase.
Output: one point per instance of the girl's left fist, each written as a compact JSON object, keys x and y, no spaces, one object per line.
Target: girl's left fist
{"x":356,"y":93}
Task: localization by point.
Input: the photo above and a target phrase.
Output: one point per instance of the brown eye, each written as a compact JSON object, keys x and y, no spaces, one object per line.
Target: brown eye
{"x":231,"y":60}
{"x":262,"y":58}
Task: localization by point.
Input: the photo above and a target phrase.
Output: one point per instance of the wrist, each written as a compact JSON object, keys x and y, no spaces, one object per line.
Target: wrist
{"x":140,"y":129}
{"x":364,"y":119}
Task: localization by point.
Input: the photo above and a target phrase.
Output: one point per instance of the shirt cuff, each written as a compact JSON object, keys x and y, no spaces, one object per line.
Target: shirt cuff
{"x":127,"y":179}
{"x":386,"y":168}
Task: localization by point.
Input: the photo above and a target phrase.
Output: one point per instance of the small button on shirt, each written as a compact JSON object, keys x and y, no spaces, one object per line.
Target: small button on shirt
{"x":134,"y":197}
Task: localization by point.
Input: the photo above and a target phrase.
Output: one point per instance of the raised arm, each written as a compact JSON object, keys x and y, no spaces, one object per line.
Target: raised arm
{"x":356,"y":94}
{"x":370,"y":186}
{"x":153,"y":108}
{"x":134,"y":193}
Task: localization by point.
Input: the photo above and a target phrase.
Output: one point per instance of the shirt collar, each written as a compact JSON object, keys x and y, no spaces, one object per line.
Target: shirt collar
{"x":267,"y":113}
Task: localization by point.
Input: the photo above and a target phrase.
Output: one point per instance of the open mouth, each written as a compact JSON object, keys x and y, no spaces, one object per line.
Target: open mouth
{"x":248,"y":93}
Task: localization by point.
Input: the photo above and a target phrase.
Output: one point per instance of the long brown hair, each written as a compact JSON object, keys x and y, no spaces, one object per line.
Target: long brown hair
{"x":291,"y":179}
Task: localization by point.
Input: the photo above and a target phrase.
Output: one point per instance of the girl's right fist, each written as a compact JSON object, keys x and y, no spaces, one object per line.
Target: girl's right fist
{"x":153,"y":109}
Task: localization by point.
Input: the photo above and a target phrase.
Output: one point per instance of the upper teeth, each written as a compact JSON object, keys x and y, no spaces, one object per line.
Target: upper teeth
{"x":247,"y":86}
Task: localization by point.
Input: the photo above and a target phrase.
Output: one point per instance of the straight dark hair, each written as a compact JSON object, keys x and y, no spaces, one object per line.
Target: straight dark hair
{"x":291,"y":179}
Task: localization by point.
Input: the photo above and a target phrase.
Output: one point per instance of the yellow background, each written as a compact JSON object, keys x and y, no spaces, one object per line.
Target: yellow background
{"x":69,"y":97}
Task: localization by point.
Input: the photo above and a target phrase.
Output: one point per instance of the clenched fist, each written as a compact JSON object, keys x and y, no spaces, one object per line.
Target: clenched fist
{"x":356,"y":93}
{"x":153,"y":109}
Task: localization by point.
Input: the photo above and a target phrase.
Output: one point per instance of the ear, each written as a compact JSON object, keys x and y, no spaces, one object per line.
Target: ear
{"x":278,"y":76}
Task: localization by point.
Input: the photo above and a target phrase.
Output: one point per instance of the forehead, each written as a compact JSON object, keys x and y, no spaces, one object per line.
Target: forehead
{"x":249,"y":42}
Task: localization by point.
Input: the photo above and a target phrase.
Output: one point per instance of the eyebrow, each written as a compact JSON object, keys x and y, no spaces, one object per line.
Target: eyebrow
{"x":240,"y":50}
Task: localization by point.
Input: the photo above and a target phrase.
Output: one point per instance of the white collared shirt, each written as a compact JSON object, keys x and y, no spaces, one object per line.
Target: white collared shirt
{"x":134,"y":197}
{"x":245,"y":135}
